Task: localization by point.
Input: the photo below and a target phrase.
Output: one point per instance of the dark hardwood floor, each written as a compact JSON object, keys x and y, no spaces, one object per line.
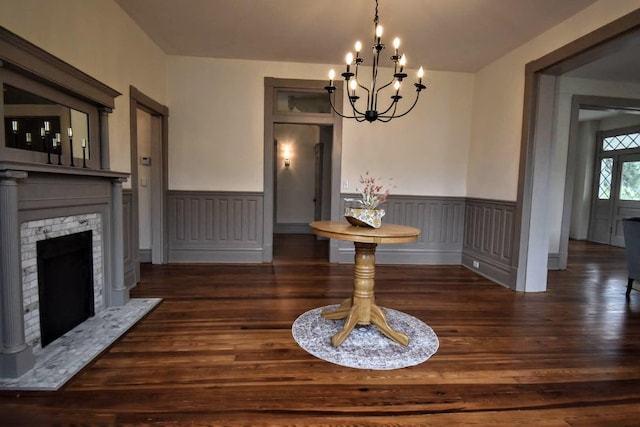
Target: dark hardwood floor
{"x":218,"y":351}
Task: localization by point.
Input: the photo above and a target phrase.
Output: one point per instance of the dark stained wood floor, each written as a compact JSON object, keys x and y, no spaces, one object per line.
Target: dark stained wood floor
{"x":218,"y":351}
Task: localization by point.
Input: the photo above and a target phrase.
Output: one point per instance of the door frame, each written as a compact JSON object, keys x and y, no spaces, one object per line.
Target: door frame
{"x":579,"y":102}
{"x":159,"y":178}
{"x":271,"y":85}
{"x":531,"y":238}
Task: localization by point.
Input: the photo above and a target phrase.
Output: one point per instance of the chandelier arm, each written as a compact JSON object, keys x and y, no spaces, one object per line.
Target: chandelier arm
{"x":382,"y":87}
{"x":386,"y":119}
{"x":409,"y":110}
{"x":353,"y":105}
{"x":331,"y":102}
{"x":373,"y":105}
{"x":393,"y":103}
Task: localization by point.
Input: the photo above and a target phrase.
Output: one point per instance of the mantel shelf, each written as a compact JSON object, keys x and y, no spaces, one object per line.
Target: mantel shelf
{"x":61,"y":170}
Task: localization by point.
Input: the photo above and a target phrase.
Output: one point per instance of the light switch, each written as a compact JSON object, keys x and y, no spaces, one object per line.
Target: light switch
{"x":145,"y":160}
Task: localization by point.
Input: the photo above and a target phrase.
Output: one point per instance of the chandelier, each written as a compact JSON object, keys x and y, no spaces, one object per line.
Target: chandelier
{"x":353,"y":86}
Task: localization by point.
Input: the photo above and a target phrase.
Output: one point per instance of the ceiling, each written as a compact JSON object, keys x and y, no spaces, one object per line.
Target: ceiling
{"x":446,"y":35}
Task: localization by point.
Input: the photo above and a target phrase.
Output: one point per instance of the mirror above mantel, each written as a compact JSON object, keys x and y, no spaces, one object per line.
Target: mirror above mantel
{"x":26,"y":118}
{"x":52,"y":113}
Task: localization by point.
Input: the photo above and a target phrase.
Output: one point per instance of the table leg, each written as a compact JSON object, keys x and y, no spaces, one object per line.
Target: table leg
{"x":361,"y":309}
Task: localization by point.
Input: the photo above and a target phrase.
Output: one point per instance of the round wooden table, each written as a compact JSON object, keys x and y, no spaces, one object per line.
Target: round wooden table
{"x":361,"y":308}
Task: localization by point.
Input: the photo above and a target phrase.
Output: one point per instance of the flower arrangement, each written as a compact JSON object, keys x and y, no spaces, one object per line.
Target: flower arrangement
{"x":373,"y":191}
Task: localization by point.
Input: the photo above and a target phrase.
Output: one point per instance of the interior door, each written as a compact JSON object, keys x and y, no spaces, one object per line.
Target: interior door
{"x":627,"y":200}
{"x":600,"y":227}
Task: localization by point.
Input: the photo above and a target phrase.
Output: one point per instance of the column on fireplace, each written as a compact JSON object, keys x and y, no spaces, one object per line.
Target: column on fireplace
{"x":119,"y":292}
{"x":16,"y":357}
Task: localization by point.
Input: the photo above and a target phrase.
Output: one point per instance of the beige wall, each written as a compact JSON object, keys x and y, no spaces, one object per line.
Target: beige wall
{"x":98,"y":38}
{"x":217,"y":126}
{"x":498,"y":101}
{"x":462,"y":139}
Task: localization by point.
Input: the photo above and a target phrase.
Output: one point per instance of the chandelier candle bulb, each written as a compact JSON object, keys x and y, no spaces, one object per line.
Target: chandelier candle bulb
{"x":396,"y":44}
{"x":70,"y":132}
{"x":46,"y":126}
{"x":349,"y":60}
{"x":14,"y":126}
{"x":420,"y":75}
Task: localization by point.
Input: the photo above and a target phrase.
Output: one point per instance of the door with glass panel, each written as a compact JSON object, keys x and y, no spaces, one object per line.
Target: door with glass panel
{"x":627,"y":202}
{"x":617,"y":188}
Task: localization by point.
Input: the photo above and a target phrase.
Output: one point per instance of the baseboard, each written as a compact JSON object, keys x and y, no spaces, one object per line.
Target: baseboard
{"x":227,"y":255}
{"x":144,"y":255}
{"x":504,"y":275}
{"x":291,"y":228}
{"x":553,"y":261}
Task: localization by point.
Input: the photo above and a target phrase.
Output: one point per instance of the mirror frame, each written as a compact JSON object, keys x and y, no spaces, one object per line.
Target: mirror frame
{"x":30,"y":68}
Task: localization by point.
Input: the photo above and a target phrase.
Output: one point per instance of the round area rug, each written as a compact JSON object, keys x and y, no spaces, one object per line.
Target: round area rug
{"x":366,"y":347}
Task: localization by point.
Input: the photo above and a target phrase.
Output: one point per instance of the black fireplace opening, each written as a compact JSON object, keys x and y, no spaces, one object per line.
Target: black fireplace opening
{"x":65,"y":283}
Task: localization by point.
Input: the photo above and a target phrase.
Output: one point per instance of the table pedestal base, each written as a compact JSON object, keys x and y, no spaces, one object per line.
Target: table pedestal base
{"x":361,"y":309}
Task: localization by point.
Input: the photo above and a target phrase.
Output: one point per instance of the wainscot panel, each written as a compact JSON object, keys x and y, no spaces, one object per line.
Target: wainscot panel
{"x":488,"y":237}
{"x":207,"y":226}
{"x":441,"y":220}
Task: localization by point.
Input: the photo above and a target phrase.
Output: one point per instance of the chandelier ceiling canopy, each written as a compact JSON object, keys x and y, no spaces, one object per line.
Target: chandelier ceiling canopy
{"x":371,"y":111}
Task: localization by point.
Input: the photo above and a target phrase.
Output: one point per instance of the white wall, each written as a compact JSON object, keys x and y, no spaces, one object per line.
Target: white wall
{"x":100,"y":39}
{"x":498,"y":101}
{"x":216,"y":130}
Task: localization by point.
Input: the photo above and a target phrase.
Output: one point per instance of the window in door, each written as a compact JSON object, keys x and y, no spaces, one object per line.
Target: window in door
{"x":606,"y":172}
{"x":630,"y":181}
{"x":617,"y":188}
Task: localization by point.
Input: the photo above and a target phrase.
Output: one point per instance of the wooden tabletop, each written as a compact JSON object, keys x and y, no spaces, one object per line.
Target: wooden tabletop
{"x":387,"y":233}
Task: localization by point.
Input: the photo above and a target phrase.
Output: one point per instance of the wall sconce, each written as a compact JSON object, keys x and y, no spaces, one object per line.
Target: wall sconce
{"x":287,"y":159}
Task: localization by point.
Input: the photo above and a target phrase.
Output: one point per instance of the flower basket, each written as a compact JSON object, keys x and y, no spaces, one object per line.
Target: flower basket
{"x":364,"y":217}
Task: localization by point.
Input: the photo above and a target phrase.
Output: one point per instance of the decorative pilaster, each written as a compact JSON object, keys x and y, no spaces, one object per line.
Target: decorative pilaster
{"x":16,"y":357}
{"x":119,"y":292}
{"x":104,"y":137}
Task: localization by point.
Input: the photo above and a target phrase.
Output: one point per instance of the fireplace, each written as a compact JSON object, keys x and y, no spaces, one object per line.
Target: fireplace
{"x":65,"y":283}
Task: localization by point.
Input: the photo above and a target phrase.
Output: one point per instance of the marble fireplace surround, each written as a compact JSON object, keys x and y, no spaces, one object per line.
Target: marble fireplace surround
{"x":45,"y":194}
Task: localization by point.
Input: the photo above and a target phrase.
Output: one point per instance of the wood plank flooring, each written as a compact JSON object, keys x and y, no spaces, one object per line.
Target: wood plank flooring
{"x":218,"y":351}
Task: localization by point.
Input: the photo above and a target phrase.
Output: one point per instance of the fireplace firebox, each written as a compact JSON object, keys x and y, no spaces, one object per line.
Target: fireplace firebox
{"x":65,"y":283}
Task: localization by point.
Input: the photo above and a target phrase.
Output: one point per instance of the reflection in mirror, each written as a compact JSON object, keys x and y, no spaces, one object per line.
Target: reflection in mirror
{"x":34,"y":123}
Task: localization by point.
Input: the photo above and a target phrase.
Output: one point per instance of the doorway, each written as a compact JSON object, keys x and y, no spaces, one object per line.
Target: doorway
{"x":616,"y":189}
{"x":303,"y":176}
{"x":532,"y":227}
{"x":294,"y":108}
{"x":149,"y":183}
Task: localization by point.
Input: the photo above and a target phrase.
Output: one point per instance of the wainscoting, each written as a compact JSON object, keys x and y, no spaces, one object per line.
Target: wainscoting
{"x":215,"y":226}
{"x":488,"y":237}
{"x":441,"y":220}
{"x":227,"y":227}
